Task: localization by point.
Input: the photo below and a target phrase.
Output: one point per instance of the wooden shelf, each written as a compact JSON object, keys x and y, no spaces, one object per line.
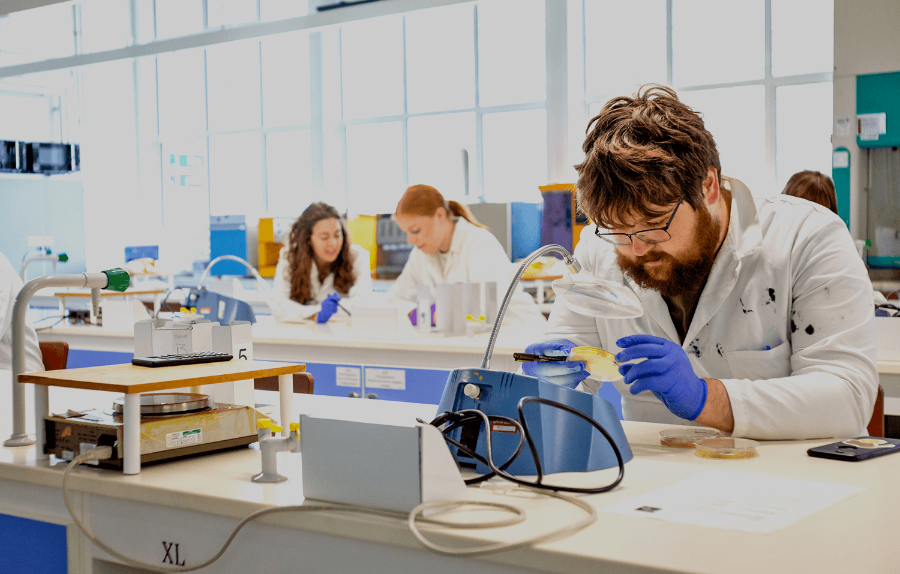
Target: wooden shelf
{"x":128,"y":378}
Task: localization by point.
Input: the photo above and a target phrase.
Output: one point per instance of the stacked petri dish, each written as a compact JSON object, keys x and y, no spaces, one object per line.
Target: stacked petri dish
{"x":686,"y":437}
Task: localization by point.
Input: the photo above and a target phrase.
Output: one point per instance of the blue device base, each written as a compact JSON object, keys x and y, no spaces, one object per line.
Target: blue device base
{"x":220,"y":308}
{"x":564,"y":442}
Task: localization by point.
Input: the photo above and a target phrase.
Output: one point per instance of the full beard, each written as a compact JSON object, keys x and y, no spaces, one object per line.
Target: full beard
{"x":676,"y":275}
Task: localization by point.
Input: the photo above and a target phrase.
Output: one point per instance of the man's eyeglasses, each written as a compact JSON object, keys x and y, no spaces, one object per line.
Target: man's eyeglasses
{"x":656,"y":235}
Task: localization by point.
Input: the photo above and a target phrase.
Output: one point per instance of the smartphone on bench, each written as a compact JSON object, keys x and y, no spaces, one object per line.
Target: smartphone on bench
{"x":856,"y":449}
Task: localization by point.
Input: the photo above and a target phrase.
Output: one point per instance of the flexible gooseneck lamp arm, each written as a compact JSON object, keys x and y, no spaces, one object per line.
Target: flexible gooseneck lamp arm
{"x":570,"y":262}
{"x":253,"y":271}
{"x":113,"y":279}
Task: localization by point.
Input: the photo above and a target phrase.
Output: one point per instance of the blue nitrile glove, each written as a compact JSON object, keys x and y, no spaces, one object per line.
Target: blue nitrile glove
{"x":667,"y":372}
{"x":562,"y":373}
{"x":329,"y":308}
{"x":414,"y":316}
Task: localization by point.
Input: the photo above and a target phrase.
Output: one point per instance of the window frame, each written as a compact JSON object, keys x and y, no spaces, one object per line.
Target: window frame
{"x":769,"y":82}
{"x":552,"y":9}
{"x":567,"y":104}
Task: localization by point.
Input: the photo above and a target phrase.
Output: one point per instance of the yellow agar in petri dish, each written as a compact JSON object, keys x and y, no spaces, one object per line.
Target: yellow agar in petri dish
{"x":726,"y":447}
{"x":600,"y":364}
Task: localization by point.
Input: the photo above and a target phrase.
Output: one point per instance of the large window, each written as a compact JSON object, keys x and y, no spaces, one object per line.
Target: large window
{"x":765,"y":95}
{"x":483,"y":100}
{"x":38,"y":106}
{"x":453,"y":97}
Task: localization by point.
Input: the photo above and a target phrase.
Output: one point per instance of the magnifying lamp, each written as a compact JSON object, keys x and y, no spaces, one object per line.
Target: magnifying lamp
{"x":586,"y":295}
{"x":564,"y":442}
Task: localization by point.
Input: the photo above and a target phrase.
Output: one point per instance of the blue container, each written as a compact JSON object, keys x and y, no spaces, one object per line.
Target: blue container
{"x":228,"y":236}
{"x":556,"y":219}
{"x":564,"y":442}
{"x":525,"y":228}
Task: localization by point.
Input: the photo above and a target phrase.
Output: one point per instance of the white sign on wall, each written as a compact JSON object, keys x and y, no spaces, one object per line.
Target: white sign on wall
{"x":347,"y":376}
{"x":870,"y":126}
{"x":386,"y":379}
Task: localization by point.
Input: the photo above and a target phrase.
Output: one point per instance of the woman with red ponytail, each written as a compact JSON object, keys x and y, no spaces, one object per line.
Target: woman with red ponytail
{"x":451,"y":246}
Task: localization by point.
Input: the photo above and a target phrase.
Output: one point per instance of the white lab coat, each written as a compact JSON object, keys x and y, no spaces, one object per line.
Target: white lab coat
{"x":10,"y":285}
{"x":475,"y":256}
{"x":785,"y":321}
{"x":284,"y":309}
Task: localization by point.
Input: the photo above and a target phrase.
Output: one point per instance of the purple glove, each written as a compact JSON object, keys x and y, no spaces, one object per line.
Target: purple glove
{"x":667,"y":372}
{"x":413,"y":316}
{"x":562,"y":373}
{"x":329,"y":308}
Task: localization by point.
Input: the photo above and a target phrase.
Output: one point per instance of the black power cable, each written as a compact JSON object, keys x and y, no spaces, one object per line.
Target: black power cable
{"x":456,"y":419}
{"x":165,"y":300}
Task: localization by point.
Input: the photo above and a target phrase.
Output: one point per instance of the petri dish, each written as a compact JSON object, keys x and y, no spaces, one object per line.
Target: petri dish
{"x":587,"y":295}
{"x":599,"y":363}
{"x":686,"y":437}
{"x":726,"y":447}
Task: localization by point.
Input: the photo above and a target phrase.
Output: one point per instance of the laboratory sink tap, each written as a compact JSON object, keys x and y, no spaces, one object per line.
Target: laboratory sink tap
{"x":112,"y":279}
{"x":62,"y":257}
{"x":270,"y":446}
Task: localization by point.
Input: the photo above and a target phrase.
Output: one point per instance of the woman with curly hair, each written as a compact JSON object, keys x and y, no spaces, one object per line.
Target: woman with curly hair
{"x":317,"y":267}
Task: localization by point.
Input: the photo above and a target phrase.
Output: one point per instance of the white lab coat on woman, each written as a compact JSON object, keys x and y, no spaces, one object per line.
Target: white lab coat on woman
{"x":10,"y":285}
{"x":284,"y":309}
{"x":785,"y":321}
{"x":475,"y":256}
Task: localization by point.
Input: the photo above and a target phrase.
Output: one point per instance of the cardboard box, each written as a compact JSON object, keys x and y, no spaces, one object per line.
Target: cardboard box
{"x":237,"y":340}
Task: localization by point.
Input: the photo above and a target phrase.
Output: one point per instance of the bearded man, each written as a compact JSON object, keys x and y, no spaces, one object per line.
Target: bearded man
{"x":758,"y":315}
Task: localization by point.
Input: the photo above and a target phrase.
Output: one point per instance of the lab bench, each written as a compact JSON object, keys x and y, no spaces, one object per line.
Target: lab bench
{"x":182,"y":511}
{"x":410,"y":370}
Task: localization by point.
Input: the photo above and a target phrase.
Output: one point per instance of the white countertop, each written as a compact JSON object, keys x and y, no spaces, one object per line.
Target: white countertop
{"x":334,"y":342}
{"x":335,"y":333}
{"x":856,"y":535}
{"x":272,"y":340}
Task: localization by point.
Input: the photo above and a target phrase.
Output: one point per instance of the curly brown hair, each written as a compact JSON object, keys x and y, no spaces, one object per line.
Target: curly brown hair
{"x":300,"y":254}
{"x":813,"y":186}
{"x":642,"y":153}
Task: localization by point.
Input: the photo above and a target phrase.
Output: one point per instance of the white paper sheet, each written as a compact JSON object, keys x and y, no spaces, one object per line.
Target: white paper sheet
{"x":749,"y":503}
{"x":870,"y":126}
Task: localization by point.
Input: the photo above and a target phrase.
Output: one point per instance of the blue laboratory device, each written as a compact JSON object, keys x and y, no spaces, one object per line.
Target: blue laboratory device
{"x":217,"y":307}
{"x":564,"y":442}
